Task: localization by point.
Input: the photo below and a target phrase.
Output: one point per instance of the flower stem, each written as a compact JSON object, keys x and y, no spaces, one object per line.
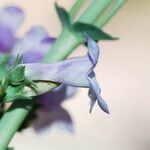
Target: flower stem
{"x":67,"y":41}
{"x":65,"y":44}
{"x":62,"y":48}
{"x":13,"y":118}
{"x":11,"y":121}
{"x":75,"y":8}
{"x":94,"y":10}
{"x":110,"y":13}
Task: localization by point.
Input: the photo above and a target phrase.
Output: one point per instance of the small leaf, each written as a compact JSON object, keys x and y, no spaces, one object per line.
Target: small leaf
{"x":92,"y":31}
{"x":14,"y":93}
{"x":63,"y":16}
{"x":14,"y":90}
{"x":2,"y":71}
{"x":17,"y":75}
{"x":17,"y":61}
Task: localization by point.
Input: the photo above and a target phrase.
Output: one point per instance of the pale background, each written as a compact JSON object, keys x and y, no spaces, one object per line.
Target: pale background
{"x":123,"y":73}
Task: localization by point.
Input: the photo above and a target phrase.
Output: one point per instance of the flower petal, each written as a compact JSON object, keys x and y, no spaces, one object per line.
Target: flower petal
{"x":95,"y":92}
{"x":11,"y":17}
{"x":50,"y":110}
{"x":47,"y":117}
{"x":75,"y":69}
{"x":34,"y":51}
{"x":94,"y":51}
{"x":57,"y":96}
{"x":7,"y":39}
{"x":92,"y":100}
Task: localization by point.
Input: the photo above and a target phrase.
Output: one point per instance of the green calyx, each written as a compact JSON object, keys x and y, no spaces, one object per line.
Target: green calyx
{"x":13,"y":82}
{"x":17,"y":75}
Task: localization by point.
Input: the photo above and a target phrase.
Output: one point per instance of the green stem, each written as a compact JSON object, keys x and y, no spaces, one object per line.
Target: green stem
{"x":62,"y":48}
{"x":11,"y":121}
{"x":75,"y":8}
{"x":65,"y":44}
{"x":67,"y":41}
{"x":110,"y":13}
{"x":13,"y":118}
{"x":94,"y":11}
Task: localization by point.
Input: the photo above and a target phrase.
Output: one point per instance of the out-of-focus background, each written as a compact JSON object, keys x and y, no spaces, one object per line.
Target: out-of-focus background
{"x":123,"y":74}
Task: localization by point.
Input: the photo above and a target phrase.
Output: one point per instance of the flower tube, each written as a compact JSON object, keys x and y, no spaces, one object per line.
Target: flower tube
{"x":77,"y":72}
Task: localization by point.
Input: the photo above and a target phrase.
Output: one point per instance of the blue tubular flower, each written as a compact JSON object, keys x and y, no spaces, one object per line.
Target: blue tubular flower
{"x":10,"y":20}
{"x":76,"y":72}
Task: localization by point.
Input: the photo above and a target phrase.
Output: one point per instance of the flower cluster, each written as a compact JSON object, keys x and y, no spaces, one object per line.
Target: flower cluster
{"x":33,"y":47}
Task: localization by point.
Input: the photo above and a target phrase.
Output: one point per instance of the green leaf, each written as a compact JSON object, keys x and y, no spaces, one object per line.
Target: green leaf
{"x":78,"y":28}
{"x":92,"y":31}
{"x":14,"y":93}
{"x":17,"y":75}
{"x":2,"y":71}
{"x":63,"y":16}
{"x":10,"y":148}
{"x":14,"y":90}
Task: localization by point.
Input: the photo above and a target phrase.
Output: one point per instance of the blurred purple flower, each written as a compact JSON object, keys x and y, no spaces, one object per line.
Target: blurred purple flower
{"x":76,"y":72}
{"x":51,"y":111}
{"x":10,"y":20}
{"x":33,"y":46}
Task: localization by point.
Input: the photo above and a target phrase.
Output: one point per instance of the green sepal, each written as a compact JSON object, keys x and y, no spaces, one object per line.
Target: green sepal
{"x":95,"y":33}
{"x":14,"y":89}
{"x":17,"y":61}
{"x":14,"y":93}
{"x":63,"y":16}
{"x":13,"y":82}
{"x":17,"y":75}
{"x":31,"y":84}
